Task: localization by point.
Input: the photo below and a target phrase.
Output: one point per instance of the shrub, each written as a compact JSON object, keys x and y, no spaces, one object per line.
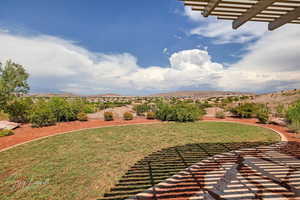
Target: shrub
{"x":263,"y":117}
{"x":128,"y":116}
{"x":220,"y":115}
{"x":150,"y":115}
{"x":246,"y":110}
{"x":293,"y":112}
{"x":64,"y":110}
{"x":88,"y":108}
{"x":280,"y":110}
{"x":262,"y":114}
{"x":179,"y":112}
{"x":42,"y":115}
{"x":293,"y":117}
{"x":165,"y":113}
{"x":141,"y":109}
{"x":108,"y":116}
{"x":18,"y":110}
{"x":5,"y":132}
{"x":82,"y":116}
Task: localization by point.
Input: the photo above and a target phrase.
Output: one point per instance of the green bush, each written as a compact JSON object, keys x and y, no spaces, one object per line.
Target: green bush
{"x":150,"y":115}
{"x":42,"y":115}
{"x":141,"y":109}
{"x":18,"y":110}
{"x":262,"y":114}
{"x":250,"y":110}
{"x":108,"y":116}
{"x":179,"y":112}
{"x":280,"y":110}
{"x":128,"y":116}
{"x":247,"y":110}
{"x":88,"y":108}
{"x":220,"y":115}
{"x":5,"y":132}
{"x":293,"y":112}
{"x":63,"y":110}
{"x":165,"y":112}
{"x":293,"y":116}
{"x":82,"y":116}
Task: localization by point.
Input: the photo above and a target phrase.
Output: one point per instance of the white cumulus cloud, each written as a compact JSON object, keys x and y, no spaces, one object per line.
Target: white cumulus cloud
{"x":221,"y":30}
{"x":53,"y":63}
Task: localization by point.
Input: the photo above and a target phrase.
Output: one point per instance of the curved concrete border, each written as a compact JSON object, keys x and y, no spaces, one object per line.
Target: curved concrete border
{"x":282,"y":136}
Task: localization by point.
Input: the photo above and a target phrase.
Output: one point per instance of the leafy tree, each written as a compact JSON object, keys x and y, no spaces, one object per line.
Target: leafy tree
{"x":13,"y":82}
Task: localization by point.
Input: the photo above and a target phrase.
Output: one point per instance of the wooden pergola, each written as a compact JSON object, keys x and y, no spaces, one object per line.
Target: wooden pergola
{"x":275,"y":12}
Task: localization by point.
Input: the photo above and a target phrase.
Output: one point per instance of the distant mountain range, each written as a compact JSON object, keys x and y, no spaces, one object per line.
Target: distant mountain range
{"x":268,"y":97}
{"x":167,"y":94}
{"x":200,"y":93}
{"x":71,"y":95}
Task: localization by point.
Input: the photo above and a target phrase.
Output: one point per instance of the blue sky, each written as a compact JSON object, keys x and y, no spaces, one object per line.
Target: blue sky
{"x":141,"y":27}
{"x":150,"y":33}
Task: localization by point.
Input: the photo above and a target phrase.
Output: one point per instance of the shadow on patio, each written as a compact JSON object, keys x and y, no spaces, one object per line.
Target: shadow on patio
{"x":221,"y":176}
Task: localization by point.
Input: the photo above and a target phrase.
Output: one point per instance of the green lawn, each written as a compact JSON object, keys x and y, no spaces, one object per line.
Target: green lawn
{"x":86,"y":164}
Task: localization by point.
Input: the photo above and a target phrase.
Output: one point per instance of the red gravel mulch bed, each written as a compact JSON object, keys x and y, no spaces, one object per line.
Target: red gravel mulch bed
{"x":26,"y":133}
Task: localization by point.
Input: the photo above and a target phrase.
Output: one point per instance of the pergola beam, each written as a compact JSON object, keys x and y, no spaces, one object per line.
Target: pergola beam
{"x":284,"y":19}
{"x":252,"y":12}
{"x":210,"y":7}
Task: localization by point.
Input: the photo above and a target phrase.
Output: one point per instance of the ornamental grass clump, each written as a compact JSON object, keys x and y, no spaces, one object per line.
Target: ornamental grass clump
{"x":82,"y":117}
{"x":108,"y":116}
{"x":128,"y":116}
{"x":150,"y":115}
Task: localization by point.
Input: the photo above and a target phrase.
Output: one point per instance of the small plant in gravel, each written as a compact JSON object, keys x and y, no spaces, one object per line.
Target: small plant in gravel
{"x":150,"y":115}
{"x":128,"y":116}
{"x":5,"y":132}
{"x":220,"y":115}
{"x":108,"y":116}
{"x":82,"y":117}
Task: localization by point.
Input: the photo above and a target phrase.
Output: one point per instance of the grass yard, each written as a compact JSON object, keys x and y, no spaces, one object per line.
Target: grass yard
{"x":86,"y":164}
